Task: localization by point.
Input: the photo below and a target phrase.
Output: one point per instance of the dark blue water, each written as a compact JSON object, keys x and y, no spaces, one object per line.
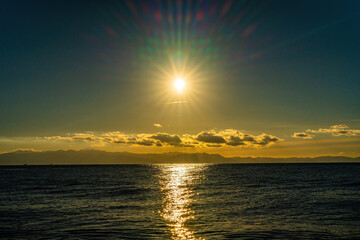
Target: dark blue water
{"x":191,"y":201}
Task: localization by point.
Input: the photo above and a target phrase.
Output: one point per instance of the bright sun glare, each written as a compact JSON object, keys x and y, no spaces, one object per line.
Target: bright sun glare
{"x":179,"y":84}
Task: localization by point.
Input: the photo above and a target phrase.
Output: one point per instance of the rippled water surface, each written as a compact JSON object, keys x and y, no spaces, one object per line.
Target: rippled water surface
{"x":175,"y":201}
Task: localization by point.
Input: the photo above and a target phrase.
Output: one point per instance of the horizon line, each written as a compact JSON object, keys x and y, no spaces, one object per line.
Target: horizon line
{"x":162,"y":153}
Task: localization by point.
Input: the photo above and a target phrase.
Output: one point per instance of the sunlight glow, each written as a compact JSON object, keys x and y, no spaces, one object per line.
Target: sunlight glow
{"x":179,"y":84}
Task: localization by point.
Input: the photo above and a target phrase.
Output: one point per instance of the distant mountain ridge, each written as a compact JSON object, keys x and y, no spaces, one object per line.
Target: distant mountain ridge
{"x":82,"y":157}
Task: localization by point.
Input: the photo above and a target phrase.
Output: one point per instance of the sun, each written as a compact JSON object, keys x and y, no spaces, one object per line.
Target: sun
{"x":179,"y":84}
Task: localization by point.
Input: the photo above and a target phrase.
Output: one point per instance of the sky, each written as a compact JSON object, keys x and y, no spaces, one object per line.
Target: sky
{"x":262,"y":78}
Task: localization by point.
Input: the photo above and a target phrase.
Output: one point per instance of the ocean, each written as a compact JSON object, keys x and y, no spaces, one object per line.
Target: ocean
{"x":181,"y":201}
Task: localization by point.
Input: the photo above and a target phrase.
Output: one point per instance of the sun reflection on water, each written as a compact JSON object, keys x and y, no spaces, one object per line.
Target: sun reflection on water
{"x":176,"y":184}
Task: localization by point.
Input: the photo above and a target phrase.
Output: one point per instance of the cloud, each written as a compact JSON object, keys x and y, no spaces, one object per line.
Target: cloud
{"x":87,"y":137}
{"x":177,"y":102}
{"x":337,"y":130}
{"x":158,"y":125}
{"x":214,"y":145}
{"x":235,"y":141}
{"x":173,"y":140}
{"x":233,"y":137}
{"x":340,"y":126}
{"x":265,"y":139}
{"x":210,"y":137}
{"x":303,"y":135}
{"x":26,"y":150}
{"x":204,"y":139}
{"x":236,"y":138}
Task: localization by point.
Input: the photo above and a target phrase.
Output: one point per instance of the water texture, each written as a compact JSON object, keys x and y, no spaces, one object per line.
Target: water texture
{"x":181,"y":201}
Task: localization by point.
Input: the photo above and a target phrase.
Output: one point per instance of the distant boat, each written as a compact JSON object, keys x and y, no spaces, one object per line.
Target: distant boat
{"x":25,"y":164}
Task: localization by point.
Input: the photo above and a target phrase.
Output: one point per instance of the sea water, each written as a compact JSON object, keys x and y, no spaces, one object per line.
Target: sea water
{"x":181,"y":201}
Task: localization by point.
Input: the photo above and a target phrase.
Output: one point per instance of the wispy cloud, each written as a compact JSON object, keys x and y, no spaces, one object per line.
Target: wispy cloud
{"x":204,"y":139}
{"x":337,"y":130}
{"x":158,"y":125}
{"x":177,"y":102}
{"x":303,"y":135}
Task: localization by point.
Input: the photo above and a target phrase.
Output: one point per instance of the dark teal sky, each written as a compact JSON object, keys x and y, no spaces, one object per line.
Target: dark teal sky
{"x":268,"y":66}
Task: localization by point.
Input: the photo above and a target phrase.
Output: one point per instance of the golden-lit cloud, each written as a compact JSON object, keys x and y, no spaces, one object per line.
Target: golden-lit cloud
{"x":204,"y":139}
{"x":302,"y":135}
{"x":337,"y":130}
{"x":232,"y":137}
{"x":164,"y":138}
{"x":86,"y":137}
{"x":158,"y":125}
{"x":210,"y":137}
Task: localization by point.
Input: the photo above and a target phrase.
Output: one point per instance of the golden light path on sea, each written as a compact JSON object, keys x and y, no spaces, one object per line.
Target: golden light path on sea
{"x":176,"y":184}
